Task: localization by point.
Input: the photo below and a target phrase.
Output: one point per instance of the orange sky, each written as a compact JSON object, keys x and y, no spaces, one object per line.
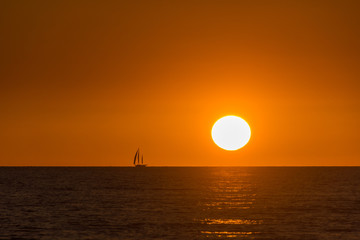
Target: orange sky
{"x":86,"y":82}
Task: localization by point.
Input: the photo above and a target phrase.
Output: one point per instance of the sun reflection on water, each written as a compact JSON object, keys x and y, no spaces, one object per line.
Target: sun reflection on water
{"x":228,"y":206}
{"x":226,"y":234}
{"x":231,"y":221}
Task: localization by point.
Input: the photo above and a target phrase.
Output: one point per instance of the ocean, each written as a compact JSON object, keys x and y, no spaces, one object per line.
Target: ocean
{"x":180,"y":203}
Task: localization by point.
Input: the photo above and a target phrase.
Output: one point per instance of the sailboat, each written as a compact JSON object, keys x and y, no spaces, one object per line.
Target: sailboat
{"x":137,"y":159}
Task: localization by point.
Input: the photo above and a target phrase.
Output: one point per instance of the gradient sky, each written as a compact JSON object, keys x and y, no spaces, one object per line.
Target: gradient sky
{"x":84,"y":83}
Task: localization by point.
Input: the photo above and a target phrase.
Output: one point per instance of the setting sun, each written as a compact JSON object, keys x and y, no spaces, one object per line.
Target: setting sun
{"x":231,"y":133}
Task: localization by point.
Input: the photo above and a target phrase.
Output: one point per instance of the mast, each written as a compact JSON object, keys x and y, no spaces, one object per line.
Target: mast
{"x":142,"y":159}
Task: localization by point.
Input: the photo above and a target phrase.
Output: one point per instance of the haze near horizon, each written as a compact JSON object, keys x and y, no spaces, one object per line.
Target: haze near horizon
{"x":86,"y":83}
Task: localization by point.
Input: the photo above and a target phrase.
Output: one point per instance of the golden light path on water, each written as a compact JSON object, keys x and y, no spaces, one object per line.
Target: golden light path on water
{"x":234,"y":194}
{"x":231,"y":221}
{"x":228,"y":234}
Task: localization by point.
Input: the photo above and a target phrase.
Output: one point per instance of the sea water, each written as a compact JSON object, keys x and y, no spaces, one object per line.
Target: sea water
{"x":180,"y":203}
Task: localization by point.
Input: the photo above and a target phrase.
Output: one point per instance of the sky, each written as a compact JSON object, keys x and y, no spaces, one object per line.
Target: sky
{"x":85,"y":83}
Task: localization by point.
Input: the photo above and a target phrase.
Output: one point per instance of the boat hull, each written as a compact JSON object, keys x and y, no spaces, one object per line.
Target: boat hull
{"x":140,"y":165}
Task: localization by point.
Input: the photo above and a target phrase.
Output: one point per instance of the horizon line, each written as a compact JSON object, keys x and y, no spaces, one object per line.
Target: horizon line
{"x":195,"y":166}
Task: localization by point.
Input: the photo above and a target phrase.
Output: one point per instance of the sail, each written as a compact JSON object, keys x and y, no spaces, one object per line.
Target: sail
{"x":136,"y":154}
{"x":137,"y":159}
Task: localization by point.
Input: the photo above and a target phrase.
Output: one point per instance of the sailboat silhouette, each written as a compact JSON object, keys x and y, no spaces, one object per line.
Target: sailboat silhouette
{"x":137,"y":159}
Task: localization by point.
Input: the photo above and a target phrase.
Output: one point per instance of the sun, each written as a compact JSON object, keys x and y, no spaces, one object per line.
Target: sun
{"x":231,"y":133}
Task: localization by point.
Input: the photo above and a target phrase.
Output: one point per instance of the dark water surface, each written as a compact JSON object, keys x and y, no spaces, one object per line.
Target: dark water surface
{"x":180,"y":203}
